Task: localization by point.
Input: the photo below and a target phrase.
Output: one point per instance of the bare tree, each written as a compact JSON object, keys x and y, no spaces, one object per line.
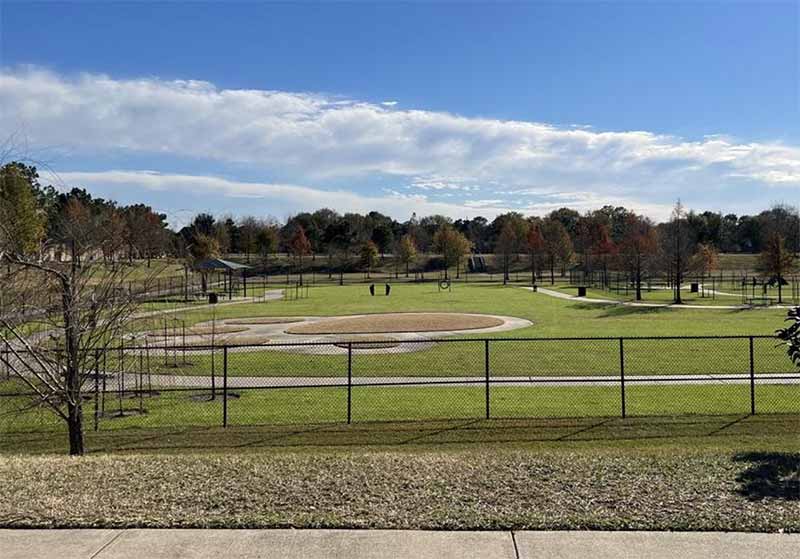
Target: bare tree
{"x":677,"y":247}
{"x":58,"y":319}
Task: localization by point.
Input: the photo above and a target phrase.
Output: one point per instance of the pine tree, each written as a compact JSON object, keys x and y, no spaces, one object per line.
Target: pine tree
{"x":23,"y":223}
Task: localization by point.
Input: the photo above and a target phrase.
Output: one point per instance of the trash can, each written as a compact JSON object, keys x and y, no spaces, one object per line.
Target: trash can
{"x":582,"y":291}
{"x":695,"y":287}
{"x":213,"y":298}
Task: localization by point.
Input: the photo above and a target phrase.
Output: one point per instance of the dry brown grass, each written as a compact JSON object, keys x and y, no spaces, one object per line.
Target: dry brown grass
{"x":477,"y":490}
{"x":397,"y":323}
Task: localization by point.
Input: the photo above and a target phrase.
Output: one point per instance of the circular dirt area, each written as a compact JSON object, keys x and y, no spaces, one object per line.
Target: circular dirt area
{"x":398,"y":323}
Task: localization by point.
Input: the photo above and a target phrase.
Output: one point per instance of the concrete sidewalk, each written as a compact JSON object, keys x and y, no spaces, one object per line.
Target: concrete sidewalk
{"x":389,"y":544}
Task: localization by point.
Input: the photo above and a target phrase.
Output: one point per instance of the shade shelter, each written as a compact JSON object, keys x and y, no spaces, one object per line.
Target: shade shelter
{"x":228,"y":269}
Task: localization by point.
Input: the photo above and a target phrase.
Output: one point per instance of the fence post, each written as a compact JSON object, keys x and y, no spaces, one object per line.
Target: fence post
{"x":752,"y":379}
{"x":8,"y":355}
{"x":486,"y":367}
{"x":96,"y":389}
{"x":349,"y":382}
{"x":622,"y":374}
{"x":225,"y":386}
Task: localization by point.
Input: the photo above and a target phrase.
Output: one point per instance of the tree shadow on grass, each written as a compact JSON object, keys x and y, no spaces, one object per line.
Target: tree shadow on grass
{"x":774,"y":475}
{"x":627,"y":310}
{"x":452,"y":433}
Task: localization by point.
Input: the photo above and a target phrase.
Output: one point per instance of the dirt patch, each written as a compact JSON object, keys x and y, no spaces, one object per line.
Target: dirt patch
{"x":264,"y":320}
{"x":398,"y":323}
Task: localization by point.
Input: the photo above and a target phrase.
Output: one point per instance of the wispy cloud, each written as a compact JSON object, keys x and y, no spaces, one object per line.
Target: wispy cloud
{"x":318,"y":139}
{"x":285,"y":199}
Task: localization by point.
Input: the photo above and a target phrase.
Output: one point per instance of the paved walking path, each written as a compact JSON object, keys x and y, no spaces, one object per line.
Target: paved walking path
{"x":265,"y":381}
{"x":562,"y":295}
{"x":389,"y":544}
{"x":270,"y":295}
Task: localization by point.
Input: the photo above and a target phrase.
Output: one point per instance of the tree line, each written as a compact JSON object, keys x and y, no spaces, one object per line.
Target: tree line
{"x":78,"y":225}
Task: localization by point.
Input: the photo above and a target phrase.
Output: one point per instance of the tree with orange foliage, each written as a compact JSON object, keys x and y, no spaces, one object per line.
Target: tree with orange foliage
{"x":300,"y":247}
{"x":638,"y":247}
{"x":535,"y":242}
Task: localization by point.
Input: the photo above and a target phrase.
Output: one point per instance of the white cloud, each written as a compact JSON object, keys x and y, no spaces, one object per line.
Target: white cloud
{"x":437,"y":182}
{"x":315,"y":138}
{"x":290,"y":198}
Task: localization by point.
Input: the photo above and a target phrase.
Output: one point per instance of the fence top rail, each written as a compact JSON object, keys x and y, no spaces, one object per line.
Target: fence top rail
{"x":356,"y":343}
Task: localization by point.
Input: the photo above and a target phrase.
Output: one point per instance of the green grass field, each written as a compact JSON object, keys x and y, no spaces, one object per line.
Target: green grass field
{"x":410,"y":403}
{"x":550,"y":317}
{"x":662,"y":296}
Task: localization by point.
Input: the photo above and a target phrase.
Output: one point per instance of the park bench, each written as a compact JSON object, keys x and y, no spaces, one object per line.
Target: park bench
{"x":760,"y":301}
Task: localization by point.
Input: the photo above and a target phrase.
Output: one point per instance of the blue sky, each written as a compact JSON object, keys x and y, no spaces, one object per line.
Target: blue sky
{"x":462,"y":109}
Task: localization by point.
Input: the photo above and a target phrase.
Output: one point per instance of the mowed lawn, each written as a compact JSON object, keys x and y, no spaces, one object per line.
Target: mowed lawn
{"x":508,"y":357}
{"x":302,"y":406}
{"x":551,"y":318}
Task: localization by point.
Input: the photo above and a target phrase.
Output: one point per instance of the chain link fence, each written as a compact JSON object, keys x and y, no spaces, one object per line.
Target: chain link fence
{"x":386,"y":379}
